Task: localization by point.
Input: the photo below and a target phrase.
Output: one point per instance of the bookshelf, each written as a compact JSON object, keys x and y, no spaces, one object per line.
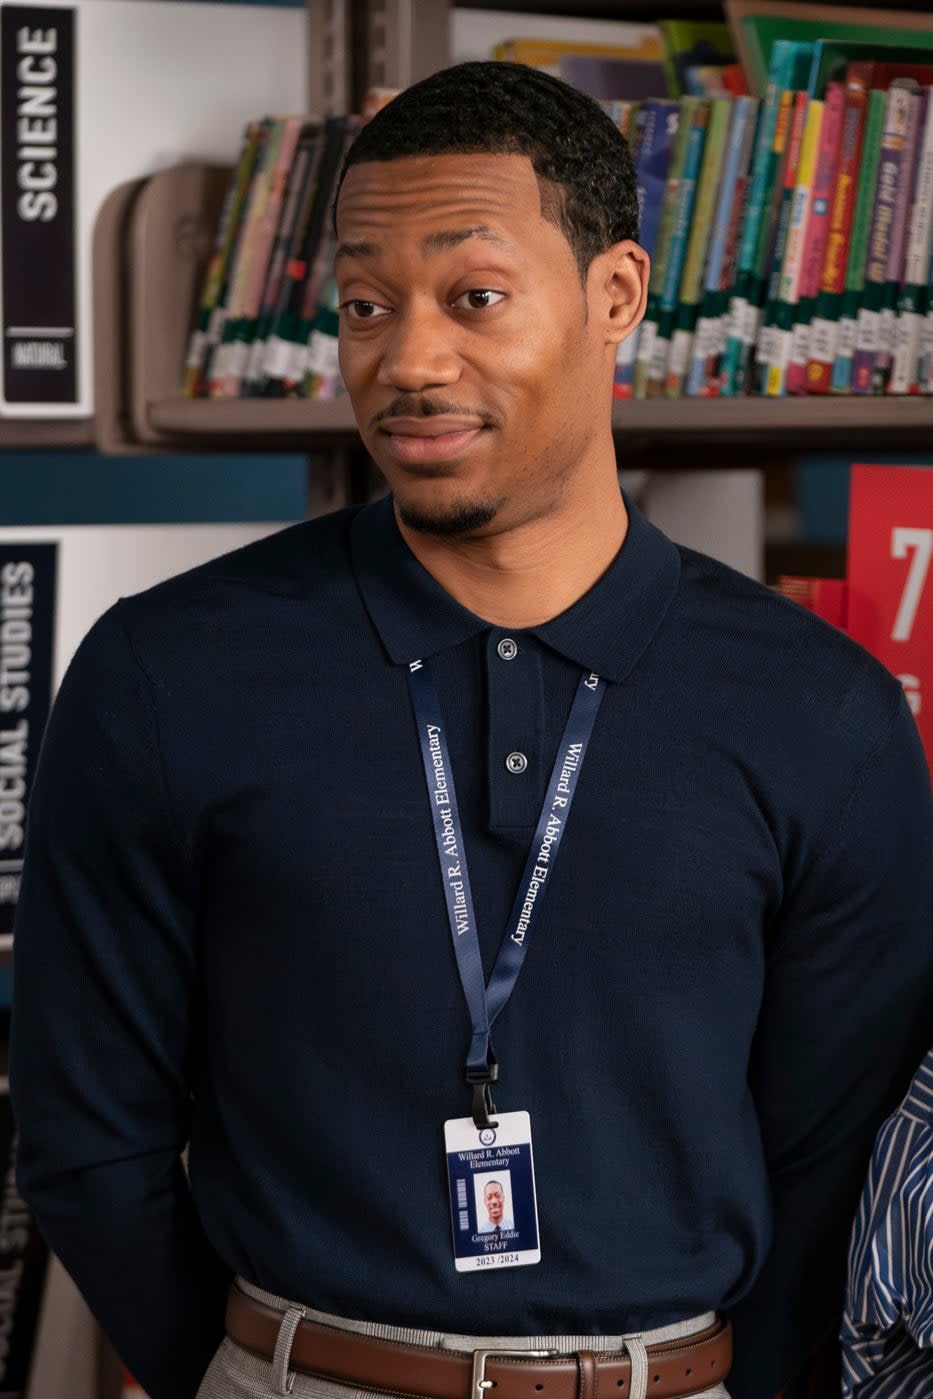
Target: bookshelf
{"x":152,"y":239}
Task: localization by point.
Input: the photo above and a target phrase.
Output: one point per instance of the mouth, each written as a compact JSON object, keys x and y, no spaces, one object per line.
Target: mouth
{"x":421,"y":447}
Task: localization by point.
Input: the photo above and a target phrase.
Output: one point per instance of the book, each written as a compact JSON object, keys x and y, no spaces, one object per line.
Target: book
{"x":789,"y":63}
{"x":649,"y":327}
{"x":322,"y":377}
{"x":912,"y":300}
{"x":239,"y":334}
{"x":657,"y":123}
{"x":623,"y":114}
{"x":827,"y":597}
{"x":858,"y":249}
{"x":688,"y":305}
{"x":673,"y":270}
{"x":709,"y":341}
{"x":833,"y":61}
{"x":301,"y":172}
{"x":704,"y":80}
{"x":776,"y":241}
{"x":734,"y":80}
{"x":925,"y":364}
{"x":613,"y":78}
{"x":221,"y":312}
{"x":814,"y":247}
{"x":283,"y":359}
{"x":757,"y":25}
{"x":897,"y":253}
{"x":257,"y":197}
{"x":782,"y":312}
{"x":206,"y":331}
{"x":691,"y":43}
{"x":319,"y":268}
{"x":827,"y":308}
{"x":644,"y":45}
{"x":893,"y":142}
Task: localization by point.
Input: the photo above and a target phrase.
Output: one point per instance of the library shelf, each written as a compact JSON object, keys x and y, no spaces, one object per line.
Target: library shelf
{"x":47,"y":434}
{"x":710,"y":430}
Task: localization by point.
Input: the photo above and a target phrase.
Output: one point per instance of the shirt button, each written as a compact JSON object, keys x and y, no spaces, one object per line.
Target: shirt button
{"x":507,"y":649}
{"x":516,"y":762}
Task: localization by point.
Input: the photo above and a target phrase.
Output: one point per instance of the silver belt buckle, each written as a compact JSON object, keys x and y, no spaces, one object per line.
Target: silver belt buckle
{"x":480,"y":1383}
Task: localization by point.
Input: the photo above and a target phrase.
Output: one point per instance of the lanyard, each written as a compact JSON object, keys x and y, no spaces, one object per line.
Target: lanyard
{"x":486,"y":1002}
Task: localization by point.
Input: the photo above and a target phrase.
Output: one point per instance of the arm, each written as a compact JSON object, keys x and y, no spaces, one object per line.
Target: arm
{"x":104,"y":983}
{"x":846,"y":1017}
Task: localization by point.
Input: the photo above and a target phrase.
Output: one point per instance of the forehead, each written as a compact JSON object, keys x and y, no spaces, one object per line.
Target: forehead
{"x":417,"y":193}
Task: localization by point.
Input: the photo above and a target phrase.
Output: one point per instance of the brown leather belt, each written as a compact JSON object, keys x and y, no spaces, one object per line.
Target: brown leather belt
{"x":676,"y":1369}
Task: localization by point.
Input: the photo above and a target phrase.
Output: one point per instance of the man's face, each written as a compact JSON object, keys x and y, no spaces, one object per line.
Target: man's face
{"x":493,"y":1197}
{"x":476,"y":377}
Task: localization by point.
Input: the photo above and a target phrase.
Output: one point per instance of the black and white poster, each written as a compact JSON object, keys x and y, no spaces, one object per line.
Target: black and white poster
{"x":27,"y":624}
{"x":37,"y":200}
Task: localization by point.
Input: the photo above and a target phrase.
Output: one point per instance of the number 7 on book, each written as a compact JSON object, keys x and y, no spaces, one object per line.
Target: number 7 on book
{"x":891,"y":605}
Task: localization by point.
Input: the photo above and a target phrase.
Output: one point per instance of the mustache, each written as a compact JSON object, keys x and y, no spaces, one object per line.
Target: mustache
{"x":413,"y":406}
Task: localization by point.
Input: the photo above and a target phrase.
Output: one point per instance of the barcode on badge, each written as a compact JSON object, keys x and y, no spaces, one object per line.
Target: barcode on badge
{"x":462,"y":1205}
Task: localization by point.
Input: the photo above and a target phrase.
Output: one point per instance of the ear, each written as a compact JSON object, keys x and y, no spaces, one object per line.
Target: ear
{"x":621,"y":289}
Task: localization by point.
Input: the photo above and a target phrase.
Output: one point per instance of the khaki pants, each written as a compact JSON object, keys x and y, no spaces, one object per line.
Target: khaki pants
{"x":235,"y":1373}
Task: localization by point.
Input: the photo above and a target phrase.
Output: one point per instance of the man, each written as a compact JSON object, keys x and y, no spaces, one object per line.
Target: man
{"x":496,"y":1218}
{"x":305,"y":813}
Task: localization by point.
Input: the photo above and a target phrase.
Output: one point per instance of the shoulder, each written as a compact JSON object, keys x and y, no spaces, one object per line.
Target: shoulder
{"x":782,"y":661}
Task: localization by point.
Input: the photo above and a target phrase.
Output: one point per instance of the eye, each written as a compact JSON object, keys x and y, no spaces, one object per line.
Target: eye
{"x":358,"y":310}
{"x":480,"y":298}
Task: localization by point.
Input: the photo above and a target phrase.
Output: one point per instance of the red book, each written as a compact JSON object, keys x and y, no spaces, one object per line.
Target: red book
{"x":890,"y":584}
{"x":824,"y":596}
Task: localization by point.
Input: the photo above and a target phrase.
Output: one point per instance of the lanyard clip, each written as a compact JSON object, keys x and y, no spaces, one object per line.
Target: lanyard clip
{"x":480,"y":1080}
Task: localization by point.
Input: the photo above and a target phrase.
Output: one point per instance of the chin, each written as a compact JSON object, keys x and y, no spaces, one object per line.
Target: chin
{"x":455,"y":517}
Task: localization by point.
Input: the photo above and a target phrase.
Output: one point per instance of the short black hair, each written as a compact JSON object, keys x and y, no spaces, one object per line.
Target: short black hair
{"x":582,"y":160}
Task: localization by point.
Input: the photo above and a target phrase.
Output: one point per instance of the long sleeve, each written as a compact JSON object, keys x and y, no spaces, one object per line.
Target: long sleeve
{"x":102,"y":1023}
{"x":846,"y":1017}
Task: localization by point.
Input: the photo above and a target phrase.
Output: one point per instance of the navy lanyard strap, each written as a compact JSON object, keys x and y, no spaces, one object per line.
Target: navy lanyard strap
{"x":485,"y":1003}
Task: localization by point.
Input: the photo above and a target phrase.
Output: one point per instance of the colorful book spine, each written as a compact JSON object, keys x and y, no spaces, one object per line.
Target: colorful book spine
{"x":776,"y":242}
{"x":858,"y":249}
{"x":825,"y":323}
{"x":814,"y":250}
{"x":893,"y":141}
{"x":774,"y":364}
{"x":224,"y":355}
{"x":649,"y":325}
{"x":897,"y":255}
{"x":657,"y":124}
{"x":789,"y":65}
{"x":320,"y":268}
{"x":202,"y":336}
{"x":911,"y":303}
{"x":322,"y":378}
{"x":243,"y":333}
{"x":709,"y":341}
{"x":925,"y":365}
{"x":688,"y":307}
{"x":225,"y":298}
{"x":673,"y":271}
{"x":299,"y":175}
{"x":284,"y":346}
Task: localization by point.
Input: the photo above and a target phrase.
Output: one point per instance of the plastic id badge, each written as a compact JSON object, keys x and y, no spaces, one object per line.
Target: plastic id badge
{"x":491,"y":1177}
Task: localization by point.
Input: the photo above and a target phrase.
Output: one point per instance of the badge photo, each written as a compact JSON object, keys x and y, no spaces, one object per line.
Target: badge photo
{"x":493,"y":1207}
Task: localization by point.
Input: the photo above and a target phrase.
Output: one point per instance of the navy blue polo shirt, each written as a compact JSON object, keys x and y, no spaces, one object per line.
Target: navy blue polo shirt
{"x":233,"y":932}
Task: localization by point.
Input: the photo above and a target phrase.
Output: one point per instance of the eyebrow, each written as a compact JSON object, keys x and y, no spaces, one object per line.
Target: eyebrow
{"x":433,"y":243}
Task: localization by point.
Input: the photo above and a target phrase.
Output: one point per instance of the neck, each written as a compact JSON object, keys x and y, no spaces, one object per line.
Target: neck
{"x":524,"y":576}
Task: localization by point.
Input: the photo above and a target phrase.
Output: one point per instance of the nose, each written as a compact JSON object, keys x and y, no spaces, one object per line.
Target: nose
{"x":417,"y":354}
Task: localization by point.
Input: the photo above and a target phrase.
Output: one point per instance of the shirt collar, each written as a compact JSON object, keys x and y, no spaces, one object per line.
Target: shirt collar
{"x":606,"y":630}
